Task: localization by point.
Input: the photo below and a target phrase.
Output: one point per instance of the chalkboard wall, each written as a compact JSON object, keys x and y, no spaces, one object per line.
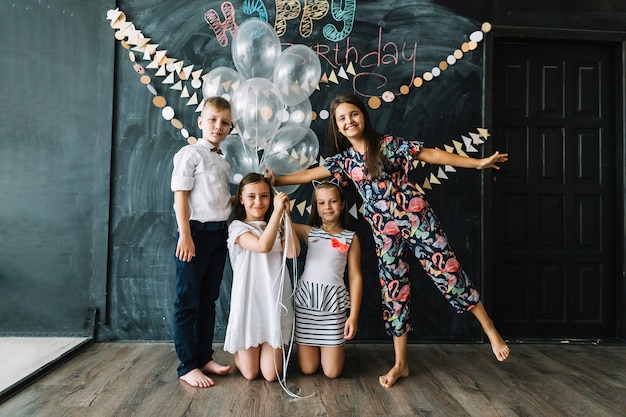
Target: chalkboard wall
{"x":87,"y":222}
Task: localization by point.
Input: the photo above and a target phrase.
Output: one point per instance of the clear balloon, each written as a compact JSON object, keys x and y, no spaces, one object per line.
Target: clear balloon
{"x":255,"y":49}
{"x":241,"y":157}
{"x":256,"y":109}
{"x":287,"y":189}
{"x":292,"y":149}
{"x":298,"y":114}
{"x":297,"y":73}
{"x":221,"y":81}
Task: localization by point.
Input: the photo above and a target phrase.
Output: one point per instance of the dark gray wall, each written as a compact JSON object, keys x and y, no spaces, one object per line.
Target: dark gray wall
{"x":85,"y":158}
{"x":55,"y":154}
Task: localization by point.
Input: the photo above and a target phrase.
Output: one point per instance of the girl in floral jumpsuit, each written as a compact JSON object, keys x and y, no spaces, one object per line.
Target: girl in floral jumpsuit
{"x":402,"y":221}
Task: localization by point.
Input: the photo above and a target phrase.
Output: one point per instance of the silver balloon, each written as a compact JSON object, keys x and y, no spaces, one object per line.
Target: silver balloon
{"x":221,"y":81}
{"x":241,"y":157}
{"x":255,"y":49}
{"x":256,"y":109}
{"x":292,"y":149}
{"x":297,"y":73}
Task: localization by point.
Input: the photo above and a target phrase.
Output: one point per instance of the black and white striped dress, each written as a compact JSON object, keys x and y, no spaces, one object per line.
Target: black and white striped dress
{"x":321,"y":299}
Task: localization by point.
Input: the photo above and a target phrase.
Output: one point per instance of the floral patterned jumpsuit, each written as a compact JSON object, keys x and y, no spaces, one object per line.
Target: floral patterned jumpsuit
{"x":403,"y":221}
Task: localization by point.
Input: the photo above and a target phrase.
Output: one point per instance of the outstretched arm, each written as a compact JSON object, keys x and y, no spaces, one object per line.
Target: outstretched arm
{"x":439,"y":157}
{"x":300,"y":177}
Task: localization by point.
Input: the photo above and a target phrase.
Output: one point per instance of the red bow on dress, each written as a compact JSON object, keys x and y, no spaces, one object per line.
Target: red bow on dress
{"x":343,"y":247}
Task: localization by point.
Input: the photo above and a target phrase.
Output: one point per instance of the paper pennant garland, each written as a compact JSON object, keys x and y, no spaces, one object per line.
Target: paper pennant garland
{"x":131,"y":38}
{"x":468,"y":141}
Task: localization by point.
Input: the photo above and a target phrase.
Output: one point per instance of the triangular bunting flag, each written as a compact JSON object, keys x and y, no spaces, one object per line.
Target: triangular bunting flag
{"x":193,"y":100}
{"x":350,"y":69}
{"x":141,"y":42}
{"x":467,"y":141}
{"x":353,"y":211}
{"x":199,"y":109}
{"x":476,"y":140}
{"x":187,"y":71}
{"x":433,"y":179}
{"x":161,"y":72}
{"x":459,"y":147}
{"x":301,"y":208}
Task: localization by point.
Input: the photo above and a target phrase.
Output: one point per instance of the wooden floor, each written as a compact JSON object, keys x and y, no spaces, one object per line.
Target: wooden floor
{"x":139,"y":379}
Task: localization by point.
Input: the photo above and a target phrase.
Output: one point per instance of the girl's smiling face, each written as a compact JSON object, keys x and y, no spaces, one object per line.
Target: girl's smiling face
{"x":256,"y":198}
{"x":350,"y":121}
{"x":329,"y":204}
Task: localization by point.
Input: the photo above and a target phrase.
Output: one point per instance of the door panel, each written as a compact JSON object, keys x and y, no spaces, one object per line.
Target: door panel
{"x":554,"y":201}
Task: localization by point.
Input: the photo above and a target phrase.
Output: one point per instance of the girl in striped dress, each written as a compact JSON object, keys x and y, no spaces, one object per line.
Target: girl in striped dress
{"x":326,"y":312}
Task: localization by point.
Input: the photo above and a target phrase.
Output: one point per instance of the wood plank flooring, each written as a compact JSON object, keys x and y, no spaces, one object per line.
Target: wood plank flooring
{"x":139,"y":379}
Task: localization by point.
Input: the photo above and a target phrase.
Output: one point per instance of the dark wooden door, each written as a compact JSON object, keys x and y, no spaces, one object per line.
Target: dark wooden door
{"x":554,"y":214}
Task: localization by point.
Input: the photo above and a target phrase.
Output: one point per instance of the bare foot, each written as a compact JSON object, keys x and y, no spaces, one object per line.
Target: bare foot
{"x":498,"y":345}
{"x":390,"y":378}
{"x":213,"y":367}
{"x":196,"y":378}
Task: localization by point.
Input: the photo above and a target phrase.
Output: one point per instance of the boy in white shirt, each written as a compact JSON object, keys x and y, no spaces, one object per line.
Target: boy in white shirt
{"x":202,"y":202}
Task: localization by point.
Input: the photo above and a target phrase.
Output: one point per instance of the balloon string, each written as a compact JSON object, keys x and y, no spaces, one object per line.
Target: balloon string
{"x":286,"y":356}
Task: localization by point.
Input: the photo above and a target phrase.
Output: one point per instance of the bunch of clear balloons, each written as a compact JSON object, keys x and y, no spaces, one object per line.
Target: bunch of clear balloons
{"x":269,"y":94}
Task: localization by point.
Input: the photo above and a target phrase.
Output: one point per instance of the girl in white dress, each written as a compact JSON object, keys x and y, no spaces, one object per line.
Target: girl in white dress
{"x":326,"y":313}
{"x":261,"y":316}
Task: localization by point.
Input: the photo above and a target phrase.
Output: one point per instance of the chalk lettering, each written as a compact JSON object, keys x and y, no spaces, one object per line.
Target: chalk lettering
{"x":219,"y":27}
{"x":251,"y":7}
{"x":343,"y":14}
{"x":313,"y":10}
{"x":285,"y":10}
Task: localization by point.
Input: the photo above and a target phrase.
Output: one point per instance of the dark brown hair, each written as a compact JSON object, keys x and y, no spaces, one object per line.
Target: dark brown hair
{"x":239,"y":212}
{"x":374,"y":161}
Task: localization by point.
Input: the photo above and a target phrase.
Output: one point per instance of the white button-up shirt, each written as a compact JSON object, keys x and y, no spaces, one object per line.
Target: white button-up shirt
{"x":205,"y":175}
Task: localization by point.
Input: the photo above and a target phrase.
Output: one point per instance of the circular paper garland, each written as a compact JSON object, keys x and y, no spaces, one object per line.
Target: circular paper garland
{"x":128,"y":35}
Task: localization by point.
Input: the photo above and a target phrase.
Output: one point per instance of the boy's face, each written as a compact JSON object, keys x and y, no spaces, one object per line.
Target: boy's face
{"x":215,"y":124}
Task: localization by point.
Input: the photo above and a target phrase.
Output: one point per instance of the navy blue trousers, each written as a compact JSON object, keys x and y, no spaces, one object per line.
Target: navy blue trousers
{"x":197,"y":289}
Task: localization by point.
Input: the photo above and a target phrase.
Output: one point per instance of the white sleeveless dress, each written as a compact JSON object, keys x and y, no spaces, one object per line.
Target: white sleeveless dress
{"x":260,"y":304}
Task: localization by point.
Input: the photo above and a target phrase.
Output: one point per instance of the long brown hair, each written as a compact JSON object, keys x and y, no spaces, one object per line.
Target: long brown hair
{"x":239,"y":212}
{"x":315,"y":219}
{"x":374,"y":161}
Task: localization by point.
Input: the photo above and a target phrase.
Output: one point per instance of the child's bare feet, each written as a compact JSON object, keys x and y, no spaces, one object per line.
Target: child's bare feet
{"x":196,"y":378}
{"x":498,"y":345}
{"x":390,"y":378}
{"x":213,"y":367}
